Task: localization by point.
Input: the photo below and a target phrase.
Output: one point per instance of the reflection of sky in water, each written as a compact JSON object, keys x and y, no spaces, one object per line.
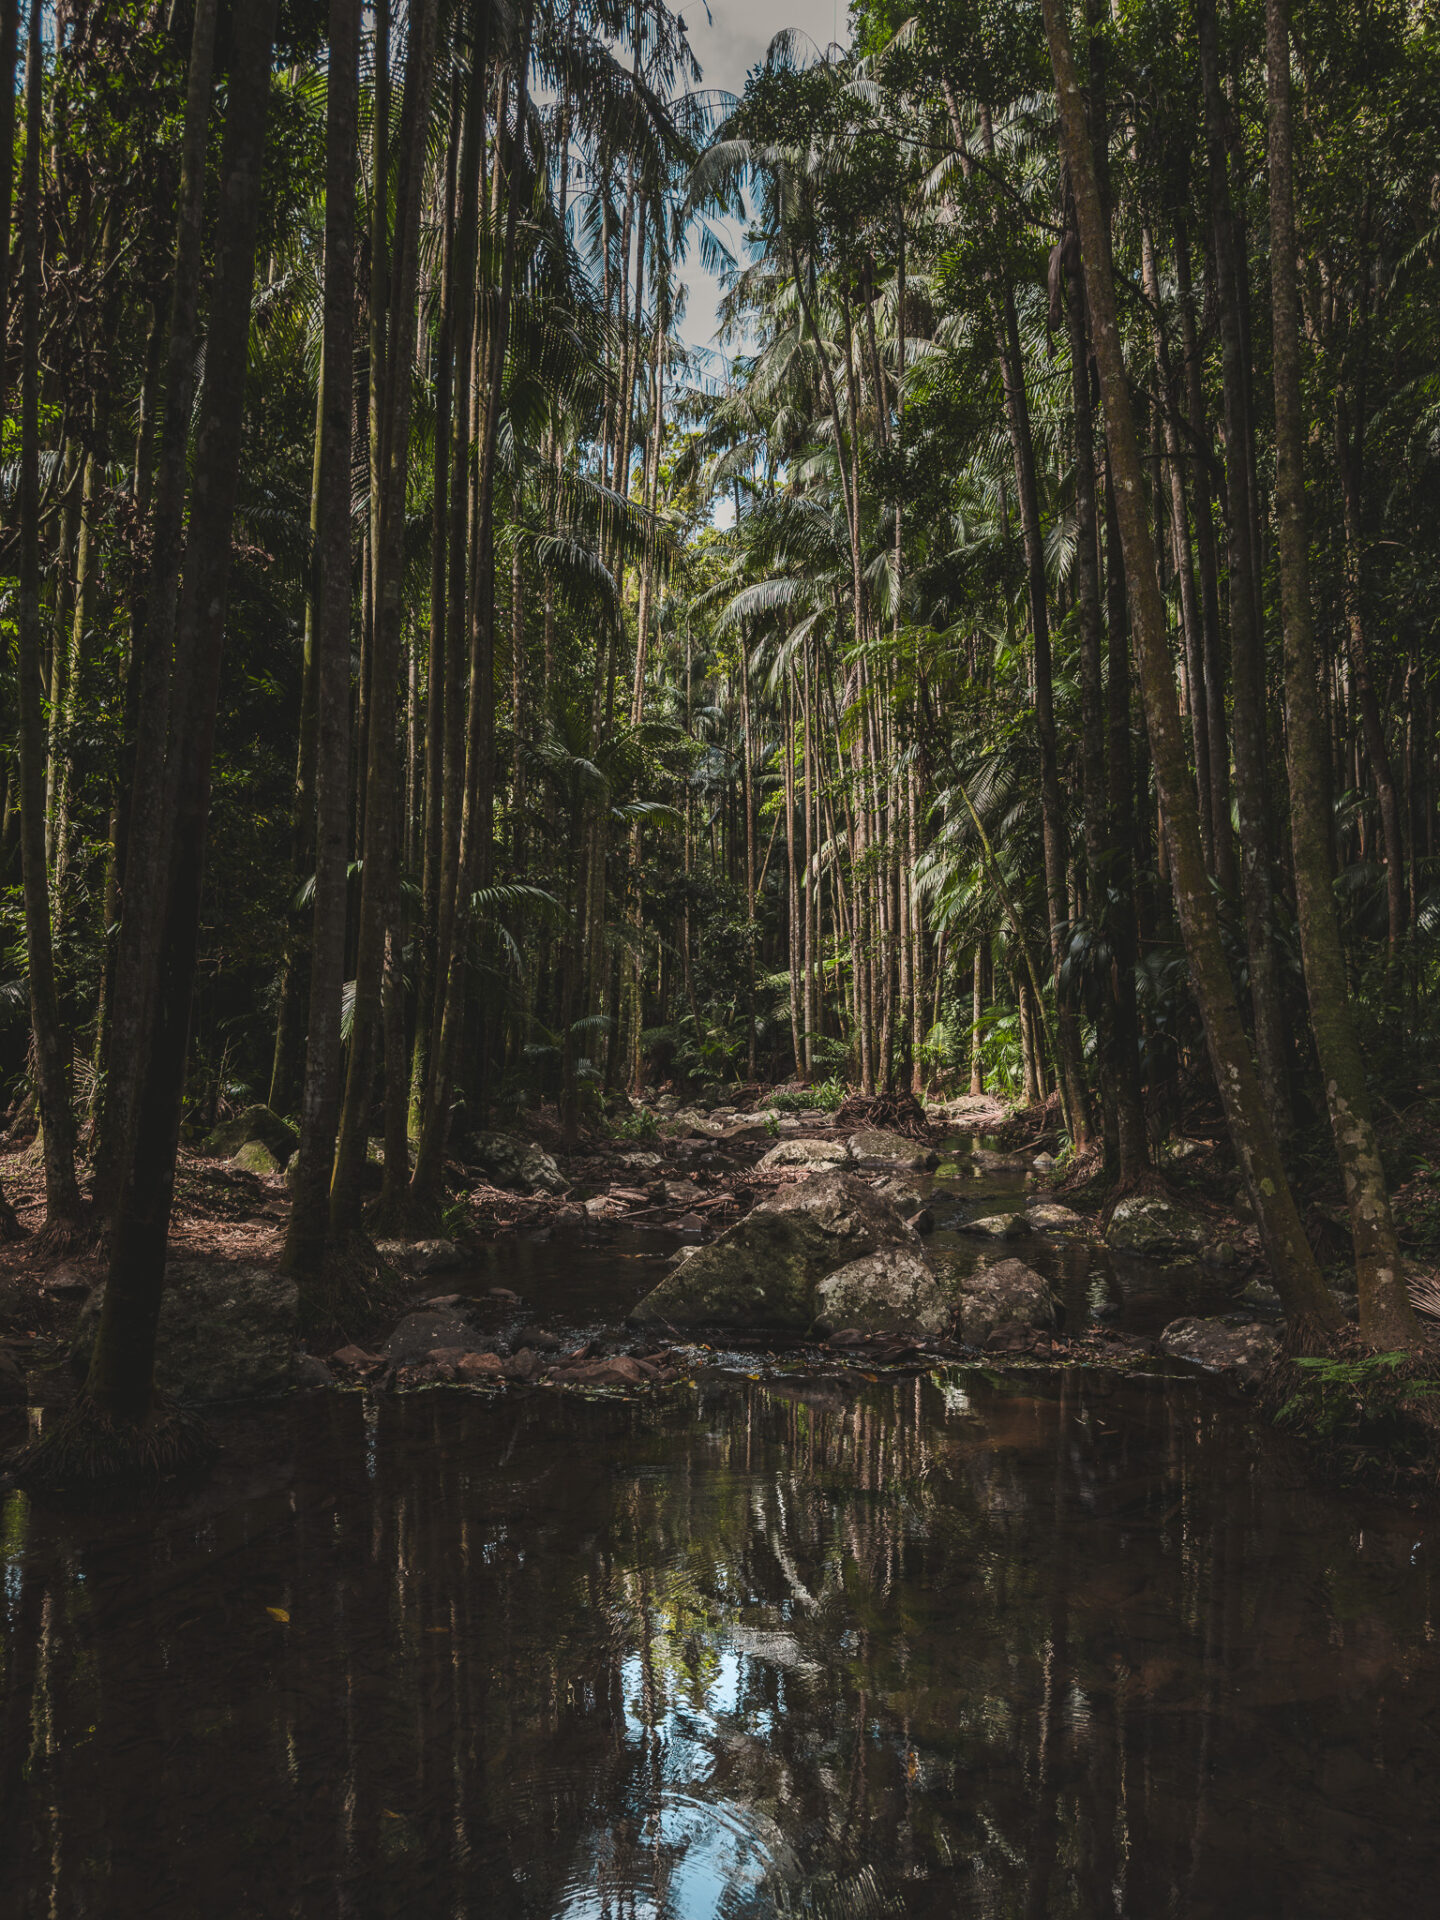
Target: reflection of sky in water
{"x":702,"y":1857}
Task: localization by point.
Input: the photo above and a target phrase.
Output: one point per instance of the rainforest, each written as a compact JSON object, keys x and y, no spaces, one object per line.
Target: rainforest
{"x":719,"y":957}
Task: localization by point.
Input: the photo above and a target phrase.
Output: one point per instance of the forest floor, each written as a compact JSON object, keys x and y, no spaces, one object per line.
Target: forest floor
{"x":689,"y":1179}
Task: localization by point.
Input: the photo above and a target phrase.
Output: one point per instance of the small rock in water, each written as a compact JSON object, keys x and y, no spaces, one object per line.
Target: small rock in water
{"x":419,"y":1334}
{"x":311,"y":1371}
{"x":437,"y":1300}
{"x":1244,"y":1352}
{"x":690,"y":1223}
{"x":503,"y":1293}
{"x":998,"y":1226}
{"x":1046,"y":1217}
{"x":538,"y":1338}
{"x":353,"y":1356}
{"x":1001,"y":1295}
{"x":1043,"y":1162}
{"x":479,"y":1366}
{"x":522,"y":1366}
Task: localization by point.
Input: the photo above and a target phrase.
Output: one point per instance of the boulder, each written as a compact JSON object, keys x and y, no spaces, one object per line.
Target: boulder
{"x":419,"y":1334}
{"x":878,"y":1143}
{"x":892,"y":1291}
{"x":510,"y":1162}
{"x":1007,"y":1293}
{"x":256,"y":1157}
{"x":225,"y":1333}
{"x":1244,"y":1352}
{"x":255,"y":1123}
{"x":763,"y":1271}
{"x":1046,"y":1217}
{"x":997,"y":1226}
{"x":1154,"y":1226}
{"x":806,"y":1153}
{"x":988,"y":1161}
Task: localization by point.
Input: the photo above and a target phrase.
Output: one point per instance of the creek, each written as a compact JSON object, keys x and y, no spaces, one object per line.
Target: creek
{"x":980,"y":1641}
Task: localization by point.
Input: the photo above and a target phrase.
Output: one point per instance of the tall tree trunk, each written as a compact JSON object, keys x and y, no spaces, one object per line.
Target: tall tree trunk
{"x":1247,"y":640}
{"x":120,"y":1383}
{"x":379,"y":893}
{"x":51,"y":1041}
{"x":308,"y":1234}
{"x":1386,"y":1317}
{"x":1297,"y":1278}
{"x":150,"y":812}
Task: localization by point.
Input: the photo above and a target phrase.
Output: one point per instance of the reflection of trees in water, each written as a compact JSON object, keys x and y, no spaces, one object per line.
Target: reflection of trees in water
{"x":1007,"y":1653}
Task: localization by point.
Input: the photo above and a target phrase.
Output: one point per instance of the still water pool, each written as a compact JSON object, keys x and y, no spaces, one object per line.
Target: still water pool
{"x":963,"y":1644}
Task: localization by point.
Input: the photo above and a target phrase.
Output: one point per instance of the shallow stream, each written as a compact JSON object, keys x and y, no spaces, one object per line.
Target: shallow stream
{"x":969,"y":1643}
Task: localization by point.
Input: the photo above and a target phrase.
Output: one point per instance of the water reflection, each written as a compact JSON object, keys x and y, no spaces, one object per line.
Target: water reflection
{"x":942,"y":1647}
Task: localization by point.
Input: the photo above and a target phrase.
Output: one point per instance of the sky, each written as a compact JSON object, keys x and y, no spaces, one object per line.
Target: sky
{"x":727,"y":43}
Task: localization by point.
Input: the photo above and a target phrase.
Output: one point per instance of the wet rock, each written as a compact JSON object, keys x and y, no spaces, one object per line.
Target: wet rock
{"x":988,"y":1161}
{"x":12,"y":1382}
{"x":878,"y":1143}
{"x":892,"y":1291}
{"x":521,"y":1366}
{"x":690,"y":1223}
{"x":997,"y":1226}
{"x":255,"y":1123}
{"x":418,"y":1334}
{"x":1046,"y":1217}
{"x":1154,"y":1226}
{"x":353,"y":1357}
{"x":539,"y":1338}
{"x":226,"y":1332}
{"x":1244,"y":1352}
{"x":763,"y":1270}
{"x":479,"y":1367}
{"x":1001,"y":1295}
{"x":806,"y":1153}
{"x":311,"y":1371}
{"x":509,"y":1162}
{"x":602,"y":1207}
{"x":621,"y":1370}
{"x":1015,"y":1337}
{"x":1043,"y":1162}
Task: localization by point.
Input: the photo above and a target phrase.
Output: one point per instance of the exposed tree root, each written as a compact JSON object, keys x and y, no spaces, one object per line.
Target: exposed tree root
{"x":64,"y":1235}
{"x":355,"y":1290}
{"x":89,"y":1454}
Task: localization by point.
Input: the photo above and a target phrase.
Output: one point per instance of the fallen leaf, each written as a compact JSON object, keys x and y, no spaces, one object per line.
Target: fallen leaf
{"x":278,"y":1613}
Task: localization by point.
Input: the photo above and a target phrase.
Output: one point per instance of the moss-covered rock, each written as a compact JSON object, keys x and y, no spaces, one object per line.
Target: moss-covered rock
{"x":255,"y":1123}
{"x":764,"y":1271}
{"x":892,"y":1291}
{"x":1156,"y":1227}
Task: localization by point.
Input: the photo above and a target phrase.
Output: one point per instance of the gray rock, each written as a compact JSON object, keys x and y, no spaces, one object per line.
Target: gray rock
{"x":892,"y":1291}
{"x":255,"y":1123}
{"x":311,"y":1371}
{"x":747,"y":1127}
{"x":764,"y":1270}
{"x":1043,"y":1162}
{"x":1245,"y":1352}
{"x":1150,"y":1224}
{"x":988,"y":1161}
{"x":997,"y":1226}
{"x":641,"y":1162}
{"x":668,"y":1103}
{"x":878,"y":1143}
{"x":418,"y":1334}
{"x":225,"y":1332}
{"x":806,"y":1153}
{"x":510,"y":1162}
{"x":1008,"y":1293}
{"x":1046,"y":1217}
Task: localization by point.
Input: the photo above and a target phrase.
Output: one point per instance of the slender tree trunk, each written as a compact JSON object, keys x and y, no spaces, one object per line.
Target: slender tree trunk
{"x":51,"y":1041}
{"x":120,"y":1384}
{"x":308,"y":1235}
{"x":1247,"y":640}
{"x":1297,"y":1278}
{"x":151,"y":810}
{"x":1386,"y":1317}
{"x":379,"y":899}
